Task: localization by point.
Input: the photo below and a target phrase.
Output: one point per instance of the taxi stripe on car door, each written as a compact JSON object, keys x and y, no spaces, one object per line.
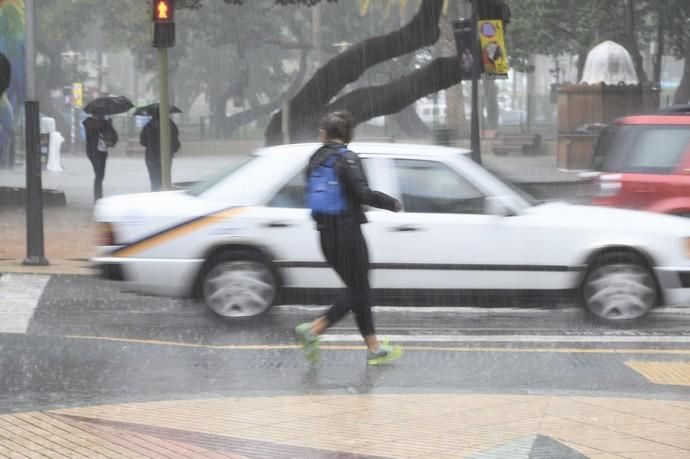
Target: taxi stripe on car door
{"x":176,"y":231}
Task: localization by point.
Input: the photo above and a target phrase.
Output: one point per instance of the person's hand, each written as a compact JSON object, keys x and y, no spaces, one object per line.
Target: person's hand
{"x":397,"y":206}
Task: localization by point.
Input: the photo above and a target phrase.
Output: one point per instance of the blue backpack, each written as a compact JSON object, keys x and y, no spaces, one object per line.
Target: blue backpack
{"x":325,"y":194}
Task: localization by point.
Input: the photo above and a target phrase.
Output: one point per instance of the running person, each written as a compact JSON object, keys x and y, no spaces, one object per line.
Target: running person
{"x":343,"y":243}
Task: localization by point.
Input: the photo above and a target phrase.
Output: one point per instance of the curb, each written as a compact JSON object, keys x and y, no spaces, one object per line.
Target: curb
{"x":56,"y":267}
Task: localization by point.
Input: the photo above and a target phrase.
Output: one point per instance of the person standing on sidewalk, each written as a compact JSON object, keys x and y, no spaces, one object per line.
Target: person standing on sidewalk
{"x":150,"y":139}
{"x":336,"y":191}
{"x":100,"y":134}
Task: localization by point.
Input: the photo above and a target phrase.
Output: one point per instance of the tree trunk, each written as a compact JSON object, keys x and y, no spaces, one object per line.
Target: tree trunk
{"x":581,"y":59}
{"x":455,"y":102}
{"x":349,"y":66}
{"x":411,"y":124}
{"x":54,"y":79}
{"x":682,"y":95}
{"x":630,"y":38}
{"x":238,"y":120}
{"x":386,"y":99}
{"x":661,"y":45}
{"x":491,"y":93}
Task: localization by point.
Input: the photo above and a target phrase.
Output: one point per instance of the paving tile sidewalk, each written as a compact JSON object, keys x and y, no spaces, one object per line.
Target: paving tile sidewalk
{"x":478,"y":426}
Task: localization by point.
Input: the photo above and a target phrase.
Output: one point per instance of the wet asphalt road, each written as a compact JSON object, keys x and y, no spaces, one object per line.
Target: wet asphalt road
{"x":89,"y":342}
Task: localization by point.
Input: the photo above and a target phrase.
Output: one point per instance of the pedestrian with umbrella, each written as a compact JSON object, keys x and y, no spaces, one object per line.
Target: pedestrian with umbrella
{"x":101,"y":135}
{"x":150,"y":139}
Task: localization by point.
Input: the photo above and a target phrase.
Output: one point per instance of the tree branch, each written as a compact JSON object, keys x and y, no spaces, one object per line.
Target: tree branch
{"x":389,"y":98}
{"x":240,"y":119}
{"x":349,"y":66}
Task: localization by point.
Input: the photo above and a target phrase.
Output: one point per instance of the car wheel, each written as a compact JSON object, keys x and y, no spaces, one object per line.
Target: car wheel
{"x":238,"y":284}
{"x":619,"y":286}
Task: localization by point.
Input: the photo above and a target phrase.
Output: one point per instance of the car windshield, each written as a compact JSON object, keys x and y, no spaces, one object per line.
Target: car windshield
{"x":516,"y":188}
{"x":214,"y":179}
{"x":500,"y":182}
{"x":641,"y":149}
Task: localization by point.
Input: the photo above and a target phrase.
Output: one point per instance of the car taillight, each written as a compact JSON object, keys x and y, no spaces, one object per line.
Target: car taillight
{"x":609,"y":185}
{"x":106,"y":236}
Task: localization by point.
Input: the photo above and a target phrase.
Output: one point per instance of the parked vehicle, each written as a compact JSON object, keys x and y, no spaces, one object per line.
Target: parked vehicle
{"x":644,"y":163}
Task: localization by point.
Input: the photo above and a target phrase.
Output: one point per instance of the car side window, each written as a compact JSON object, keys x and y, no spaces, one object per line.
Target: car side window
{"x":432,"y":187}
{"x":291,"y":196}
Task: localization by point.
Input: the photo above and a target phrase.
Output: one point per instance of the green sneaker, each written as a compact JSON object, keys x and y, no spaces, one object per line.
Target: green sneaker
{"x":386,"y":353}
{"x":309,"y":342}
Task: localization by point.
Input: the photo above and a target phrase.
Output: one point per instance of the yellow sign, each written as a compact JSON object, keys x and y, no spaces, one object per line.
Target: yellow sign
{"x":494,"y":55}
{"x":77,"y":95}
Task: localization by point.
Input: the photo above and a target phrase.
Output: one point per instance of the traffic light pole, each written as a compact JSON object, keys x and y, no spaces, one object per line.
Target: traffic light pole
{"x":164,"y":114}
{"x":475,"y":140}
{"x":34,"y":188}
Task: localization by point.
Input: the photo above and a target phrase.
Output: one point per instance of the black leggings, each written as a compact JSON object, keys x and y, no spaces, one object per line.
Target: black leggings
{"x":346,"y":252}
{"x":98,"y":162}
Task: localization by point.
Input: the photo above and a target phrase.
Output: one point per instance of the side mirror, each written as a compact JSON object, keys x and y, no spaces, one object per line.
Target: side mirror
{"x":499,"y":206}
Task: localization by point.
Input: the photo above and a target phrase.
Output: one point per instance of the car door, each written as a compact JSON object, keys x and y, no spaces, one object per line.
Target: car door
{"x":289,"y":233}
{"x":443,"y":238}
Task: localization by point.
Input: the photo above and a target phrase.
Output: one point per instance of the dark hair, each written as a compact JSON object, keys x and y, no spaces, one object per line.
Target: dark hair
{"x":338,"y":125}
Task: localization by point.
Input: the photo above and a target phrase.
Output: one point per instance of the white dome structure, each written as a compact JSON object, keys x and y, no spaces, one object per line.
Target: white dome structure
{"x":609,"y":63}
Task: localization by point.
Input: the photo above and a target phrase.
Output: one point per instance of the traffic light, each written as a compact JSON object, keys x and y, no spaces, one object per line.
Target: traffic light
{"x":494,"y":9}
{"x":163,"y":23}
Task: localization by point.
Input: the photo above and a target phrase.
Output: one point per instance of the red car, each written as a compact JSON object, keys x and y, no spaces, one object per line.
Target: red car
{"x":644,"y":163}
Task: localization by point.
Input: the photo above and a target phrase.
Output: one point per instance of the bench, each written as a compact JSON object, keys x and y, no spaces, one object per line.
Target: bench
{"x":525,"y":144}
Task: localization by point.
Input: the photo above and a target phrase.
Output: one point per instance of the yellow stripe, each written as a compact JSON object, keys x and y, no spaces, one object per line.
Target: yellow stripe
{"x":178,"y":232}
{"x":668,"y":373}
{"x":273,"y":347}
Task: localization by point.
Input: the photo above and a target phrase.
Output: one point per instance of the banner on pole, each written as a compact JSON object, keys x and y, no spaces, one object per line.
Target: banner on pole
{"x":493,"y":46}
{"x":77,"y":95}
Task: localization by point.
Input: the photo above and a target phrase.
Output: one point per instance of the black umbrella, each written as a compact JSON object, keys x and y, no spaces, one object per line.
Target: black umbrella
{"x":152,"y":110}
{"x":108,"y":105}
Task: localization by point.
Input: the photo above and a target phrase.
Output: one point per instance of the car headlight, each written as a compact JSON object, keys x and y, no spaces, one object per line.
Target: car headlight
{"x":686,"y":246}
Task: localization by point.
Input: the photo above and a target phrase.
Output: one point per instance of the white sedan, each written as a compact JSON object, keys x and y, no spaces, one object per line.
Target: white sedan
{"x":242,"y":239}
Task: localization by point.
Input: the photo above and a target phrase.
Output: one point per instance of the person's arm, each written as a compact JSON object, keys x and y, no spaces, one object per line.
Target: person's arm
{"x":356,"y":181}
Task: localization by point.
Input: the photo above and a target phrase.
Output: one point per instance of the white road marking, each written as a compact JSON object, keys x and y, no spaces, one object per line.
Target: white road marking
{"x":476,"y":310}
{"x":342,"y":338}
{"x":19,"y":296}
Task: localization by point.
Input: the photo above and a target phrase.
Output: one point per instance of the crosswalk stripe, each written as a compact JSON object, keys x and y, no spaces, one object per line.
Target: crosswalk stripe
{"x":19,"y":297}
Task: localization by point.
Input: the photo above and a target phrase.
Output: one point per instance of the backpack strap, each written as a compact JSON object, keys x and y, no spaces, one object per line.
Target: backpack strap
{"x":333,"y":157}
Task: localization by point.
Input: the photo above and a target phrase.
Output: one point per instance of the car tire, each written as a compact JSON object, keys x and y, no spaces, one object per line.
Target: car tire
{"x":619,"y":286}
{"x":238,"y":283}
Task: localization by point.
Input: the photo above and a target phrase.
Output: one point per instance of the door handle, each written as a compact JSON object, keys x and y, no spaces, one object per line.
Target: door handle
{"x":277,"y":225}
{"x":405,"y":228}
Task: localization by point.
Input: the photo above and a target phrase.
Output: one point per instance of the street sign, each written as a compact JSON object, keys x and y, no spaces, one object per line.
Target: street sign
{"x":77,"y":95}
{"x":163,"y":17}
{"x":493,"y":46}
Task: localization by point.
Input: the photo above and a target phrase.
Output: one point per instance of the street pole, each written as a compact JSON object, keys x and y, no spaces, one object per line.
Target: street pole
{"x":475,"y":141}
{"x":164,"y":119}
{"x":34,"y":189}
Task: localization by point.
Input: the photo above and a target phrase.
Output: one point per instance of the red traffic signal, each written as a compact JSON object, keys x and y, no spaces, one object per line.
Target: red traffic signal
{"x":163,"y":11}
